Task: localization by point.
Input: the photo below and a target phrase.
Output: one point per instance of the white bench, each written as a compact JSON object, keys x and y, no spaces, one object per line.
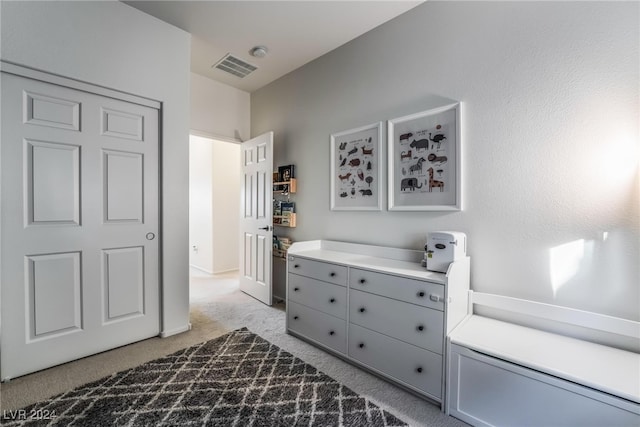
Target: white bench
{"x":506,"y":374}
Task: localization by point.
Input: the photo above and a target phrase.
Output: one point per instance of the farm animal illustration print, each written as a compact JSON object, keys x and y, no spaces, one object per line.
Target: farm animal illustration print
{"x":355,"y":157}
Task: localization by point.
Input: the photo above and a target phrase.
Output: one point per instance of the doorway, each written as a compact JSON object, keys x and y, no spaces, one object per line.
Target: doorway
{"x":214,"y":212}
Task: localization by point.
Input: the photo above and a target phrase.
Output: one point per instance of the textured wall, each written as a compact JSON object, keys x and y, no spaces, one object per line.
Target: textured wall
{"x":550,"y":148}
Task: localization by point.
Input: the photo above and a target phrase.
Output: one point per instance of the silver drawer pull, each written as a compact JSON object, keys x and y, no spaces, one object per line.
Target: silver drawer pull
{"x":420,"y":328}
{"x":435,"y":298}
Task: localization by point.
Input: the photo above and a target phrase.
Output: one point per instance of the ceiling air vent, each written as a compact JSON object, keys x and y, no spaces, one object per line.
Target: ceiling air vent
{"x":235,"y":66}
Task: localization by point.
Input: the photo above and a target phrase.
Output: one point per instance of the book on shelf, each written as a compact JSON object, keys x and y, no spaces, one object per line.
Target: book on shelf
{"x":280,"y":246}
{"x":287,"y":208}
{"x":276,"y":178}
{"x":286,"y":173}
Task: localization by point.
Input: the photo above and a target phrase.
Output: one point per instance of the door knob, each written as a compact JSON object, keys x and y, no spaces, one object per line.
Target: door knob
{"x":150,"y":236}
{"x":267,"y":228}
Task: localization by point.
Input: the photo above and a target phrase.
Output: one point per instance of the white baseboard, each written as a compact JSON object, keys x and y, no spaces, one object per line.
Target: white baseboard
{"x":165,"y":334}
{"x":204,"y":270}
{"x":226,"y":271}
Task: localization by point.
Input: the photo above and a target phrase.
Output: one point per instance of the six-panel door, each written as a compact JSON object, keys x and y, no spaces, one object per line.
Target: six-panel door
{"x":79,"y":224}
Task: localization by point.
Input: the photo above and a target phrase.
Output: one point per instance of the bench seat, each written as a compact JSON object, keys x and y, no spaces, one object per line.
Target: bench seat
{"x":603,"y":368}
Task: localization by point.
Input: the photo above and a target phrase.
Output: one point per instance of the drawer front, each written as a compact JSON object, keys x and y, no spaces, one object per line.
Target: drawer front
{"x":323,"y":296}
{"x":325,"y":329}
{"x":412,"y":365}
{"x":336,"y":274}
{"x":485,"y":391}
{"x":420,"y":326}
{"x":414,"y":291}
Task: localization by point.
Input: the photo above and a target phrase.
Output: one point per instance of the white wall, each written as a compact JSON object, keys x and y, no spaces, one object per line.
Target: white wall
{"x":201,"y":203}
{"x":226,"y":206}
{"x":550,"y":128}
{"x":214,"y":207}
{"x":111,"y":44}
{"x":219,"y":111}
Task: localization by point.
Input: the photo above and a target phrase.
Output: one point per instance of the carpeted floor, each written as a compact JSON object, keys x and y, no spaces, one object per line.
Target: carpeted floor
{"x":217,"y":307}
{"x":238,"y":379}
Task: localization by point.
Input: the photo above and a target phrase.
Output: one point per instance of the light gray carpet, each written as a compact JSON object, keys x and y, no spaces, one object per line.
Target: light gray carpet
{"x":238,"y":379}
{"x":217,"y":307}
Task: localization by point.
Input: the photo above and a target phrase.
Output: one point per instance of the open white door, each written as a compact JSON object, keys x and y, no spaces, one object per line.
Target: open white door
{"x":256,"y":217}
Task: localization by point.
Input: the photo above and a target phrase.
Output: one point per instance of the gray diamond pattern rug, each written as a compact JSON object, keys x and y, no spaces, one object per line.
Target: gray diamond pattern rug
{"x":238,"y":379}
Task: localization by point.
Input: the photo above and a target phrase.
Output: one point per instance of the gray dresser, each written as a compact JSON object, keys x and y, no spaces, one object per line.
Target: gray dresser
{"x":377,"y":308}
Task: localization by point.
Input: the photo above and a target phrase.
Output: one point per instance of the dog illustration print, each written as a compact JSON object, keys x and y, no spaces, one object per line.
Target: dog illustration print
{"x":344,"y":177}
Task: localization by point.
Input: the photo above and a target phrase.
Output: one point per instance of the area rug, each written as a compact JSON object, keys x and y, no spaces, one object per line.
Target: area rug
{"x":238,"y":379}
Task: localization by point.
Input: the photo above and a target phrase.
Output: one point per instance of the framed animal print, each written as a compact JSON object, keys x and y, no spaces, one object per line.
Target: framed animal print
{"x":356,"y":160}
{"x":424,"y":152}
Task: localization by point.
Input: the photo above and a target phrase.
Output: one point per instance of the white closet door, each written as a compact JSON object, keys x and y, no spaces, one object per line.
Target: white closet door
{"x":80,"y":264}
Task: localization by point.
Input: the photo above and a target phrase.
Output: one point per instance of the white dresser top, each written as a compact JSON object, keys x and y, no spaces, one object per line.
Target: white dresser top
{"x":399,"y":262}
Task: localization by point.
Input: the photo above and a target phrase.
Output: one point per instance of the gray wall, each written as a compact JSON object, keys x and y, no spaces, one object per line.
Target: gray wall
{"x":550,"y":140}
{"x":110,"y":44}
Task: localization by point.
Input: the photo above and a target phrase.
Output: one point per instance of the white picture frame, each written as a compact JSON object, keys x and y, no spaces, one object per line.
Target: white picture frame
{"x":356,"y":164}
{"x":424,"y":160}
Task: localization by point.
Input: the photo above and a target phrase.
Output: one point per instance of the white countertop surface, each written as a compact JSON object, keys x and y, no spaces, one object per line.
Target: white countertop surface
{"x":400,"y":262}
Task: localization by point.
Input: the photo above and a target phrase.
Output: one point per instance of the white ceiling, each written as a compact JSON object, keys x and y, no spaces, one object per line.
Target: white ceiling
{"x":295,"y":32}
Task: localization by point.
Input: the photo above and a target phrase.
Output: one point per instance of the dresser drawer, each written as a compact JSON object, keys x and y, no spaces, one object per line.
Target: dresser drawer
{"x":323,"y":296}
{"x":420,"y":326}
{"x":336,"y":274}
{"x":412,"y":365}
{"x":320,"y":327}
{"x":414,"y":291}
